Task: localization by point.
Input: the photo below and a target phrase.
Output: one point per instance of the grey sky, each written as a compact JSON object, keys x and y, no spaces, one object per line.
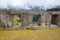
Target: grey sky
{"x":45,"y":3}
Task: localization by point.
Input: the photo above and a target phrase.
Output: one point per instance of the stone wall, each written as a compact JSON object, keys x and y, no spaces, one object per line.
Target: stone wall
{"x":27,"y":17}
{"x":59,"y":20}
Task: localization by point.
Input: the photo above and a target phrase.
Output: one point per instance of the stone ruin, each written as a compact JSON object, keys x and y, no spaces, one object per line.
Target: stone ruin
{"x":47,"y":19}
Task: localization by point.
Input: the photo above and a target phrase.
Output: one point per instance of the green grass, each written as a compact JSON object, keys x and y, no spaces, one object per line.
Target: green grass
{"x":42,"y":34}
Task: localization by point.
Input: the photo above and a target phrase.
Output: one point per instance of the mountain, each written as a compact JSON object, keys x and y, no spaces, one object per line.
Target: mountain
{"x":24,"y":7}
{"x":56,"y":8}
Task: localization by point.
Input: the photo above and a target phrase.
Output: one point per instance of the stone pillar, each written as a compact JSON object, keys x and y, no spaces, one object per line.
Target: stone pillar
{"x":30,"y":18}
{"x":43,"y":19}
{"x":10,"y":20}
{"x":48,"y":19}
{"x":3,"y":20}
{"x":0,"y":21}
{"x":24,"y":19}
{"x":58,"y":20}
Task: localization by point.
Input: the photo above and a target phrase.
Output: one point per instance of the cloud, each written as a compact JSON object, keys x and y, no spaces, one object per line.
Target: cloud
{"x":3,"y":3}
{"x":17,"y":2}
{"x":45,"y":3}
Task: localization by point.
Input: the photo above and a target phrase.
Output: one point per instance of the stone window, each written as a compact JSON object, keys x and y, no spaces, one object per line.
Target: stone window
{"x":36,"y":19}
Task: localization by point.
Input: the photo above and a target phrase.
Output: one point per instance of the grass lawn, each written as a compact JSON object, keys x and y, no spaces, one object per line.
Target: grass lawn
{"x":42,"y":34}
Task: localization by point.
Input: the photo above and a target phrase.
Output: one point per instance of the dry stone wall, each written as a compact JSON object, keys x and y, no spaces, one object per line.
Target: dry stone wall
{"x":27,"y":16}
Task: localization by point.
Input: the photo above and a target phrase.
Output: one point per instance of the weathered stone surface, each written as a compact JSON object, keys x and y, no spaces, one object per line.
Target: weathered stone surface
{"x":24,"y":20}
{"x":30,"y":18}
{"x":27,"y":16}
{"x":48,"y":19}
{"x":33,"y":26}
{"x":43,"y":20}
{"x":53,"y":26}
{"x":58,"y":21}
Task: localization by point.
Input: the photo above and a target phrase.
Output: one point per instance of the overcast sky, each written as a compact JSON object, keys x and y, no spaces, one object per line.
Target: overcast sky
{"x":45,"y":3}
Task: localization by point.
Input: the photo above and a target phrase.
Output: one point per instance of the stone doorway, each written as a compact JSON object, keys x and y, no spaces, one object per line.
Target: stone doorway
{"x":54,"y":19}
